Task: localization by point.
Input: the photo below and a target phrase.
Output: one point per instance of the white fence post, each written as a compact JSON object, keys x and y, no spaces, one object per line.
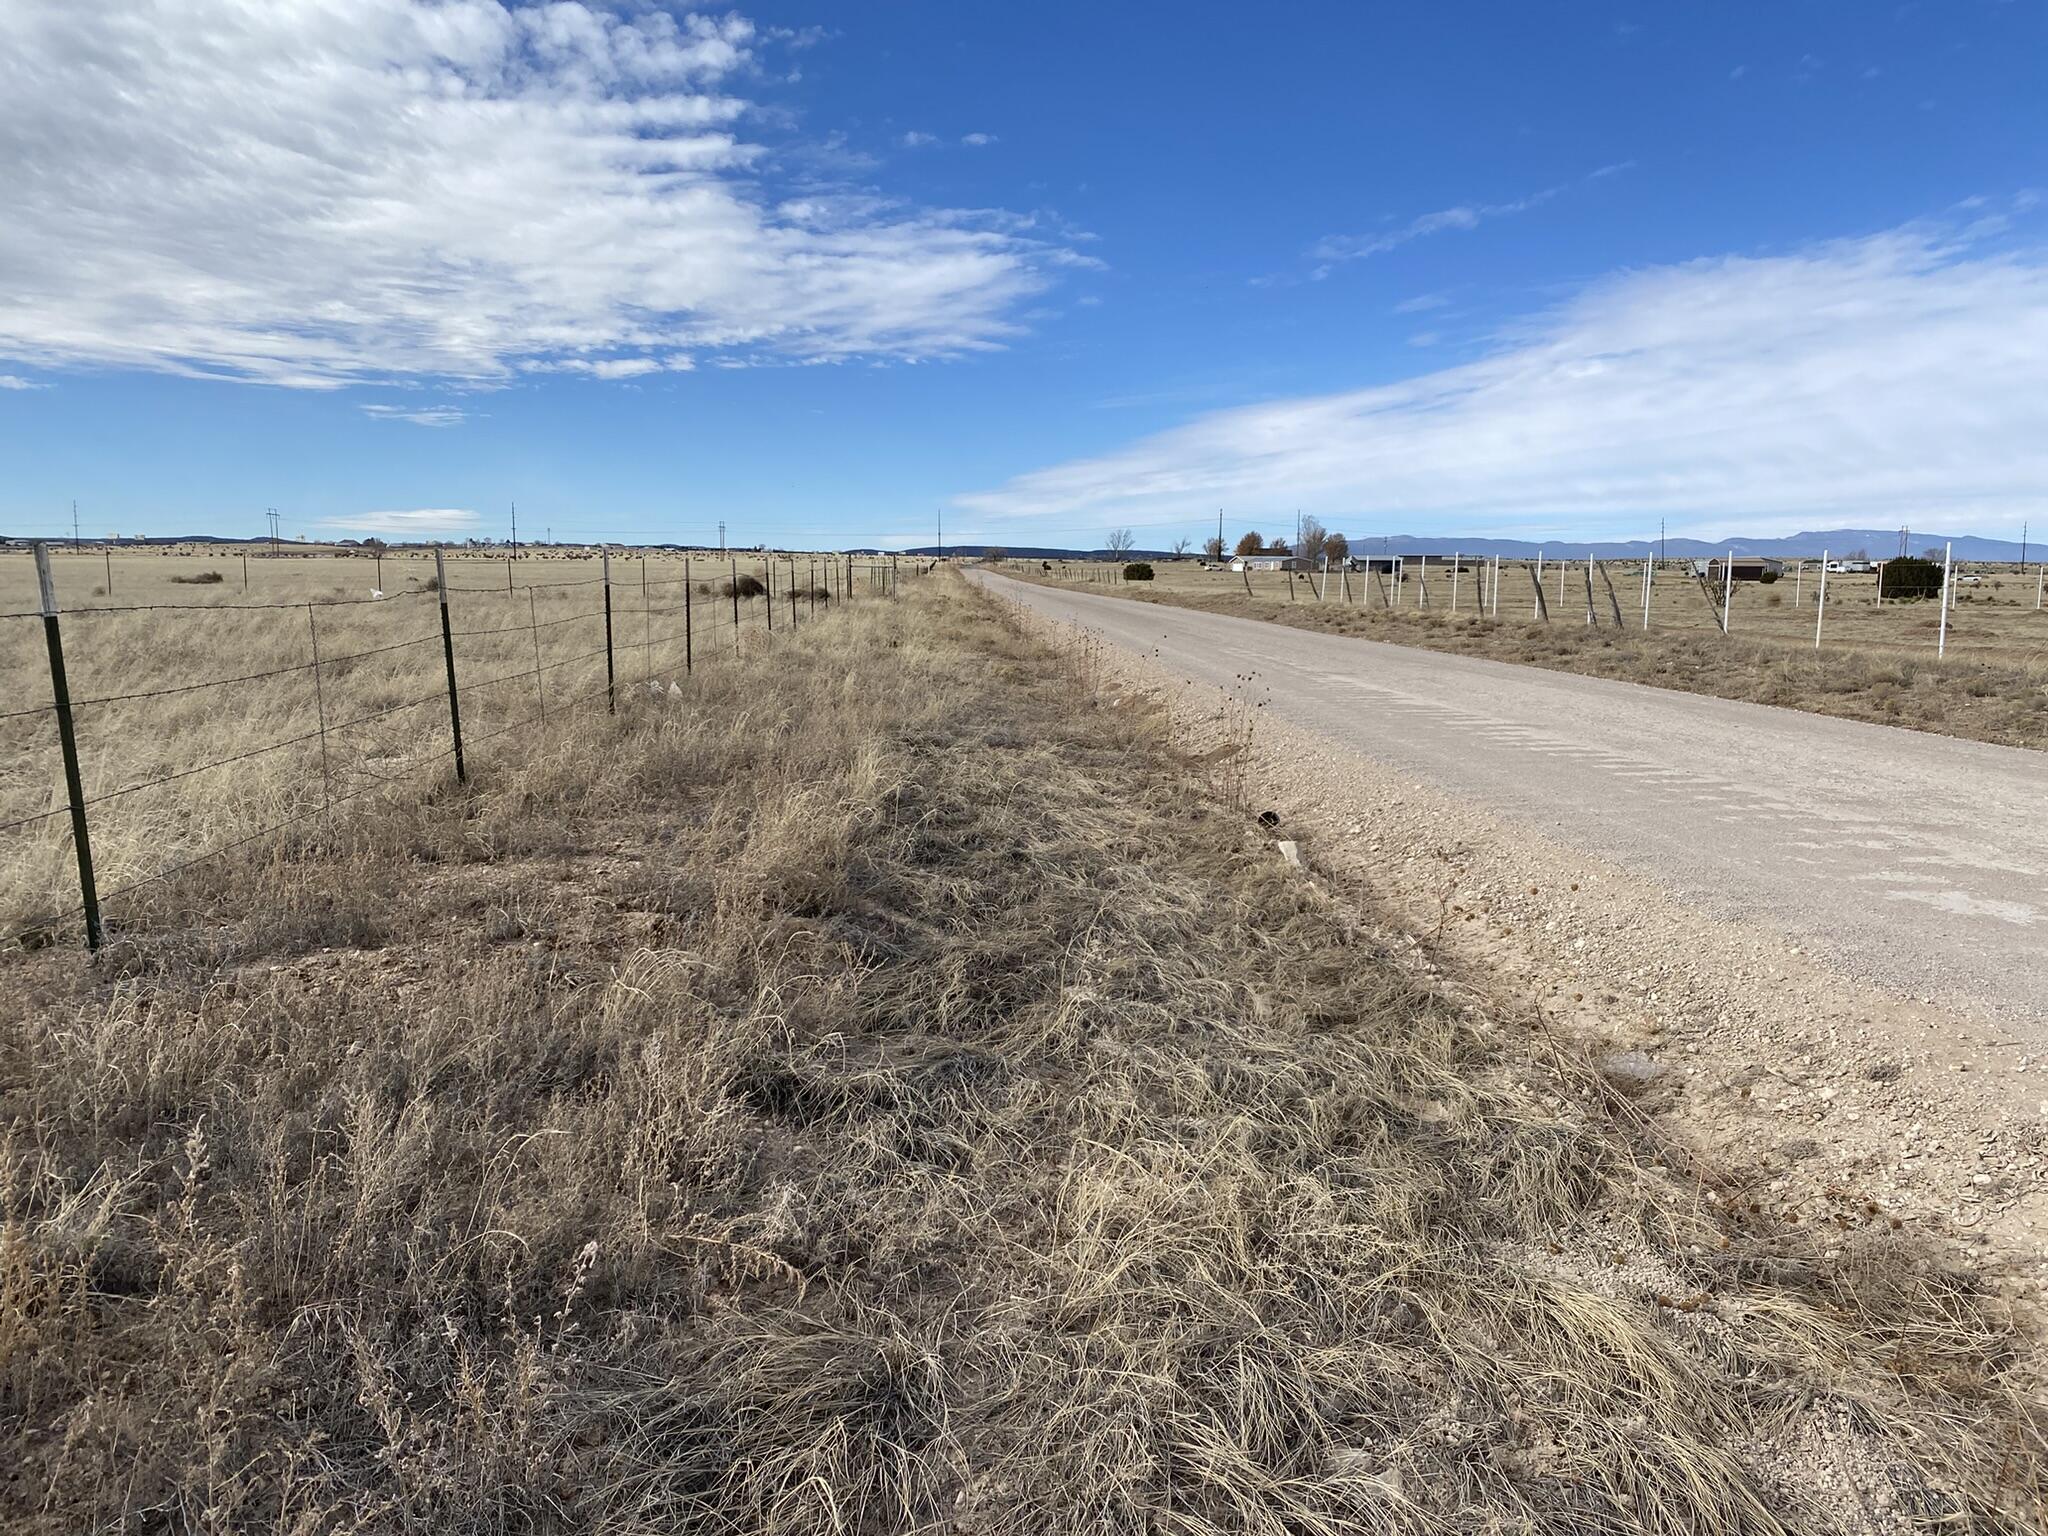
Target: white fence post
{"x":1649,"y":573}
{"x":1495,"y":610}
{"x":1798,"y":576}
{"x":1947,"y":565}
{"x":1457,"y":560}
{"x":1727,"y":588}
{"x":1820,"y":607}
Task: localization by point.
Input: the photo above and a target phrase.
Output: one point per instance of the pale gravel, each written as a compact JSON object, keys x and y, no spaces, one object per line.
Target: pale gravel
{"x":1798,"y":1072}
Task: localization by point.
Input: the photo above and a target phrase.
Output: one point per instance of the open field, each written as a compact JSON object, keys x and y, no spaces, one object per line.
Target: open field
{"x":171,"y":673}
{"x":1877,"y":662}
{"x":888,"y":1085}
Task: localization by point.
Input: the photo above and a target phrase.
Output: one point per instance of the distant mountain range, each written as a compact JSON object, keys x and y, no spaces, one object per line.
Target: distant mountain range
{"x":1838,"y":543}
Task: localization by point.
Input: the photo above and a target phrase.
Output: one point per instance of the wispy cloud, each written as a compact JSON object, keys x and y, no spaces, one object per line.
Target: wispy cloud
{"x":977,"y":140}
{"x":915,"y":140}
{"x":1876,"y":379}
{"x":421,"y":523}
{"x":313,"y":194}
{"x":614,"y":367}
{"x":1336,"y":248}
{"x":419,"y":415}
{"x":15,"y":381}
{"x":1332,"y":249}
{"x":1421,"y":303}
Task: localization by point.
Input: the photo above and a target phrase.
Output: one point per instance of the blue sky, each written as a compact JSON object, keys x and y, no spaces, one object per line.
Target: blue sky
{"x":390,"y":265}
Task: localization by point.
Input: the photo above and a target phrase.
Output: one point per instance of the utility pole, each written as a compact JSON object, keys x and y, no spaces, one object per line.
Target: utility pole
{"x":1220,"y":550}
{"x":2023,"y":547}
{"x":942,"y":533}
{"x":721,"y":537}
{"x":1663,"y":544}
{"x":74,"y":527}
{"x":515,"y":530}
{"x":271,"y":513}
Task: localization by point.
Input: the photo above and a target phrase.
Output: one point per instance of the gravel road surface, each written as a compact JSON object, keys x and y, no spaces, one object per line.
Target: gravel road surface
{"x":1913,"y":862}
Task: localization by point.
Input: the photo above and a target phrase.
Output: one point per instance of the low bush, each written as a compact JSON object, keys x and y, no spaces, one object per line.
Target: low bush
{"x":1909,"y":577}
{"x":1138,"y":570}
{"x":744,"y":586}
{"x":202,"y":579}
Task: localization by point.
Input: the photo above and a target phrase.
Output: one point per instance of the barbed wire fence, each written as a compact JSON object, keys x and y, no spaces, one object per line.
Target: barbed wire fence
{"x":807,"y":583}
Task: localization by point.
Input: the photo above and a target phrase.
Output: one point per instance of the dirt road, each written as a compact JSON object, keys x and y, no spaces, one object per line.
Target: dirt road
{"x":1915,"y":863}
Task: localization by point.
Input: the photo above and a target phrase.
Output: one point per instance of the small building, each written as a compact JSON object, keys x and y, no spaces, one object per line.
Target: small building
{"x":1268,"y":563}
{"x":1741,"y":568}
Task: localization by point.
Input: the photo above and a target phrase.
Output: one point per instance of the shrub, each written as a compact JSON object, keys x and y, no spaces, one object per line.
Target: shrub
{"x":745,"y":586}
{"x":1138,"y":570}
{"x":202,"y":579}
{"x":1769,"y":576}
{"x":1908,"y":577}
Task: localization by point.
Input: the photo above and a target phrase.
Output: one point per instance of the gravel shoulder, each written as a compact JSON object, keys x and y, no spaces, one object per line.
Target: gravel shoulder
{"x":1808,"y":1083}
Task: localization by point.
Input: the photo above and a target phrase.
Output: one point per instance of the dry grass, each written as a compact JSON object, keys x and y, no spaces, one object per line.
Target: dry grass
{"x":1878,"y":663}
{"x":882,"y":1089}
{"x":386,"y":711}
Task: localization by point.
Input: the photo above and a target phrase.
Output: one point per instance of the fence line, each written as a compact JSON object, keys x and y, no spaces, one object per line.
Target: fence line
{"x":881,"y":579}
{"x":1388,"y":576}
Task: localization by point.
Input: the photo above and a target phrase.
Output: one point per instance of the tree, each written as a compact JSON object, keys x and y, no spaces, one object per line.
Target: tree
{"x":1907,"y":578}
{"x":1180,"y":547}
{"x":1251,"y":544}
{"x":1338,"y":548}
{"x":1212,"y":547}
{"x":1313,"y":537}
{"x":1279,"y":547}
{"x":1119,"y":542}
{"x":374,"y":546}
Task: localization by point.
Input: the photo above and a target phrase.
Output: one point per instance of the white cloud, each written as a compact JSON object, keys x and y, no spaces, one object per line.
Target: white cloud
{"x":419,"y":415}
{"x":1872,"y":381}
{"x":319,"y":192}
{"x":422,"y":523}
{"x":15,"y":381}
{"x":916,"y":140}
{"x":977,"y":140}
{"x":1339,"y":248}
{"x":1465,"y":216}
{"x":1420,"y":303}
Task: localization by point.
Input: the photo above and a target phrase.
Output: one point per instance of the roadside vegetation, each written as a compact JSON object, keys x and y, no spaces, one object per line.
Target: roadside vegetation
{"x":884,"y":1085}
{"x":1993,"y":685}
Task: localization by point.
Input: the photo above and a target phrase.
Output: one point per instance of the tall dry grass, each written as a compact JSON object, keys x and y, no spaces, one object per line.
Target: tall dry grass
{"x":885,"y":1090}
{"x":197,"y":676}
